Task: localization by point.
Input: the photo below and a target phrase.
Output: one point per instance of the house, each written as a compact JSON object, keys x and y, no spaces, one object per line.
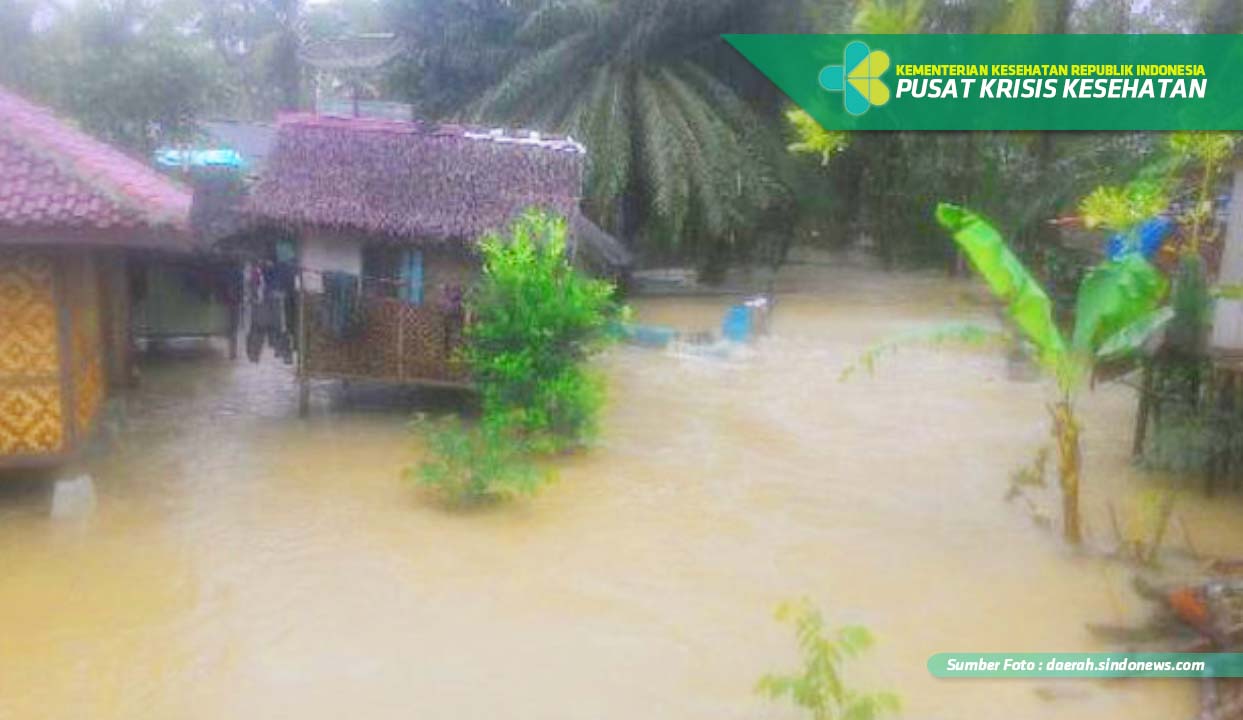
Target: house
{"x":71,"y":209}
{"x":398,"y":207}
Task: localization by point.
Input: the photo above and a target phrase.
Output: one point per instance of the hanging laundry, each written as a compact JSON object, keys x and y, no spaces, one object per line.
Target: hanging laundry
{"x":270,"y":290}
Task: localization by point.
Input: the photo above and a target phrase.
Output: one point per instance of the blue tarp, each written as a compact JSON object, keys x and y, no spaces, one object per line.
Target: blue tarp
{"x":218,"y":158}
{"x":1147,"y":240}
{"x":737,"y":324}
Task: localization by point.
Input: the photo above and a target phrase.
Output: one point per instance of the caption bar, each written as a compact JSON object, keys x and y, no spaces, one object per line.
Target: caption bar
{"x":1085,"y":665}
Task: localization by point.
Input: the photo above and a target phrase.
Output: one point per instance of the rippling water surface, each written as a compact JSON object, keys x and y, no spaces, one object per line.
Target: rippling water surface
{"x":241,"y":563}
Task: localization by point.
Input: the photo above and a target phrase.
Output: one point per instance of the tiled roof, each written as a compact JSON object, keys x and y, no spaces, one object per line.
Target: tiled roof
{"x":432,"y":183}
{"x":55,"y":178}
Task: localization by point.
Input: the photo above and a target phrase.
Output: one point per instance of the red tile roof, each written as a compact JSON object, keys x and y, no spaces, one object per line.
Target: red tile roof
{"x":55,"y":179}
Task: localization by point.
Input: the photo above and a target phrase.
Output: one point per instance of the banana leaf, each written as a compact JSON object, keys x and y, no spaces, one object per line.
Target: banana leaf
{"x":1113,"y":296}
{"x":1028,"y":305}
{"x":1130,"y":339}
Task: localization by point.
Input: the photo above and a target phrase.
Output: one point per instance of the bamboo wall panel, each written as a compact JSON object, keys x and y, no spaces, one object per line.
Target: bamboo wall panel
{"x":394,"y":341}
{"x":31,"y":420}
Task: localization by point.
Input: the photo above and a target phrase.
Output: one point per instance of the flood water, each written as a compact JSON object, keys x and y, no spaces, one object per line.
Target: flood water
{"x":241,"y":563}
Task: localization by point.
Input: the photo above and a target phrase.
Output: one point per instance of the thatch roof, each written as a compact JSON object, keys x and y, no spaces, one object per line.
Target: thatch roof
{"x":412,"y":181}
{"x":60,"y":185}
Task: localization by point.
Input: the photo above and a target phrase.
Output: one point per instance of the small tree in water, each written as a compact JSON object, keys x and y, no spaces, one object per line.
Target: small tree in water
{"x":820,"y":688}
{"x":535,"y":322}
{"x":1117,"y":306}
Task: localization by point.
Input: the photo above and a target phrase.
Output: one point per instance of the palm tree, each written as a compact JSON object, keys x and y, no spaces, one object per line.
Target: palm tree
{"x":675,"y":152}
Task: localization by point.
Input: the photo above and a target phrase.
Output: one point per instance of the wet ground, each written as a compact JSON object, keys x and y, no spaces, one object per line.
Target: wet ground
{"x":242,"y":563}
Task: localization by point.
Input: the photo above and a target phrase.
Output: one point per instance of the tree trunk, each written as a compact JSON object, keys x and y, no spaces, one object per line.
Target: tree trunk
{"x":1069,"y":463}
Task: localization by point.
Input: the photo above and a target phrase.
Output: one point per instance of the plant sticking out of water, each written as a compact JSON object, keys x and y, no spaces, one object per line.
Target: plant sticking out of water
{"x":537,"y":320}
{"x":473,"y":464}
{"x":1031,"y":476}
{"x":1147,"y":524}
{"x":1115,"y":310}
{"x":820,"y":687}
{"x":1115,"y":307}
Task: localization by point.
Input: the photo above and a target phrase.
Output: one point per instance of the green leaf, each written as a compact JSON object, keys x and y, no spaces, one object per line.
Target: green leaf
{"x":1131,"y":339}
{"x":1027,"y":304}
{"x":1113,"y":296}
{"x":966,"y":334}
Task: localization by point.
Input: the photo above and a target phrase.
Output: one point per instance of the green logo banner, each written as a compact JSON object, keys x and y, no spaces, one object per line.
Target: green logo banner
{"x":1086,"y":665}
{"x":1007,"y":82}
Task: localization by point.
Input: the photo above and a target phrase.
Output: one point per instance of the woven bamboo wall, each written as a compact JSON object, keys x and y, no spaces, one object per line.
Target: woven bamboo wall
{"x":393,"y":341}
{"x":31,"y":420}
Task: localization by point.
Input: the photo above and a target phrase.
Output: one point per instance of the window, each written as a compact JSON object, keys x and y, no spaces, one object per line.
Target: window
{"x":393,"y":272}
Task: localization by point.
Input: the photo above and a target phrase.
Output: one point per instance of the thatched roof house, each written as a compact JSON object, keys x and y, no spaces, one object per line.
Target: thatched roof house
{"x":400,"y":205}
{"x":433,"y":184}
{"x":69,"y":205}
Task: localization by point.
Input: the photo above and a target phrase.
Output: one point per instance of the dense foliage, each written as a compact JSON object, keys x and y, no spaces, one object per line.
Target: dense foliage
{"x":536,"y":320}
{"x":471,"y":464}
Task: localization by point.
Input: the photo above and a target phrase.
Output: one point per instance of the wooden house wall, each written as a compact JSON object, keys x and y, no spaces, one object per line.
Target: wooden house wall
{"x":396,"y":341}
{"x":31,"y":385}
{"x":114,"y":288}
{"x":86,"y":357}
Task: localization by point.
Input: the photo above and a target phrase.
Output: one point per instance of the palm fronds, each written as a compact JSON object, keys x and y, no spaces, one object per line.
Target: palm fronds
{"x":659,"y":126}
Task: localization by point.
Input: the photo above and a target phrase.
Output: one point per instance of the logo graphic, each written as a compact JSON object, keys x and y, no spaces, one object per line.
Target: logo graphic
{"x":858,"y":78}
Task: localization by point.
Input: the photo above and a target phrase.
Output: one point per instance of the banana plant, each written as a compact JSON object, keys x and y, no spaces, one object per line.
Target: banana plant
{"x":1118,"y":306}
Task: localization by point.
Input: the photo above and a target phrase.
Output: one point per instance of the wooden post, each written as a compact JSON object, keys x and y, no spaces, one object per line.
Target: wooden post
{"x":401,"y":343}
{"x":304,"y":384}
{"x":237,"y":281}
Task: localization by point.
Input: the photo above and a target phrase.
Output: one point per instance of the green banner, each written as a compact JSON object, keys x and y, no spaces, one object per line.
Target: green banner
{"x":1007,"y":82}
{"x":1086,"y":665}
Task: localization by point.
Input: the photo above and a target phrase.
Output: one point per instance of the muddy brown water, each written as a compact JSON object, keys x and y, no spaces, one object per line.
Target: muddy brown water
{"x":241,"y":563}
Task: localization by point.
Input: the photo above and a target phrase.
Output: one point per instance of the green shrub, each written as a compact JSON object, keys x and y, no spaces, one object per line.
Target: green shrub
{"x":536,"y":320}
{"x":470,"y":464}
{"x":820,"y":688}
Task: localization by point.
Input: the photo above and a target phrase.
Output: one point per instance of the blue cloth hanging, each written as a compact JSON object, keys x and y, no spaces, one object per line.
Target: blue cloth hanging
{"x":1147,"y":240}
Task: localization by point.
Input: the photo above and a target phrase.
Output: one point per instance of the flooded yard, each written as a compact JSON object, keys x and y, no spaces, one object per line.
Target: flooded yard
{"x":243,"y":563}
